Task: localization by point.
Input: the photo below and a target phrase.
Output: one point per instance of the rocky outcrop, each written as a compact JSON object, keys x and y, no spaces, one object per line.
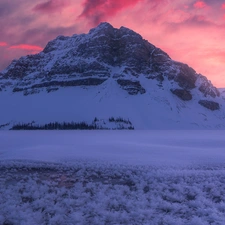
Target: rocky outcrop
{"x":132,"y":87}
{"x":71,"y":83}
{"x":187,"y":77}
{"x":210,"y":104}
{"x":207,"y":88}
{"x":185,"y":95}
{"x":81,"y":68}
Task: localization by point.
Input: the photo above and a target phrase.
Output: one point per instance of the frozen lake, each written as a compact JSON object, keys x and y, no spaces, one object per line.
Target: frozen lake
{"x":131,"y":147}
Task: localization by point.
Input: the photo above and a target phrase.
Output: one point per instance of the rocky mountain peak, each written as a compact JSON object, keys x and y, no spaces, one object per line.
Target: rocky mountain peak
{"x":106,"y":29}
{"x":103,"y":28}
{"x":107,"y":54}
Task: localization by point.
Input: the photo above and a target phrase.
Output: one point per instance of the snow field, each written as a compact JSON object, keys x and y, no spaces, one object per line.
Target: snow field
{"x":93,"y":193}
{"x":112,"y":177}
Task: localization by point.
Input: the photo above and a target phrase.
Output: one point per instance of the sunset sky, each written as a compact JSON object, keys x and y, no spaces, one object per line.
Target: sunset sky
{"x":190,"y":31}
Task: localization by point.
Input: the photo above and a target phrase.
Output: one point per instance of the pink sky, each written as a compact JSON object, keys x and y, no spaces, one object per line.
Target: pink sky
{"x":190,"y":31}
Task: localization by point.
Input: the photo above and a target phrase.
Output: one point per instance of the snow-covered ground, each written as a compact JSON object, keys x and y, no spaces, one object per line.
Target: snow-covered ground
{"x":112,"y":177}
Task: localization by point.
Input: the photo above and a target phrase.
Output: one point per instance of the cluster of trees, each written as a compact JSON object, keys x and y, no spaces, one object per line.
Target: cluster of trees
{"x":75,"y":126}
{"x":55,"y":126}
{"x":4,"y":125}
{"x":125,"y":128}
{"x":119,"y":120}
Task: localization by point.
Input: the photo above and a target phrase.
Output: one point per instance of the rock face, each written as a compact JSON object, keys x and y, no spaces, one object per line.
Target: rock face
{"x":209,"y":104}
{"x":69,"y":83}
{"x":109,"y":57}
{"x":208,"y":89}
{"x":182,"y":94}
{"x":132,"y":87}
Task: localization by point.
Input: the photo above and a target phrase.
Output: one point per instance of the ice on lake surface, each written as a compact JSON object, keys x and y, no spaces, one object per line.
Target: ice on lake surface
{"x":129,"y":147}
{"x":112,"y":177}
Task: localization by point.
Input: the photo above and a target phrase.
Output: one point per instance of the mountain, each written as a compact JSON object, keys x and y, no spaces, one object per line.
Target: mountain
{"x":108,"y":78}
{"x":222,"y":91}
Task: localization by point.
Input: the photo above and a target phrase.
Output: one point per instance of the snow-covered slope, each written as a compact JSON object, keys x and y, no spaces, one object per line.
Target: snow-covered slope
{"x":222,"y":92}
{"x":108,"y":78}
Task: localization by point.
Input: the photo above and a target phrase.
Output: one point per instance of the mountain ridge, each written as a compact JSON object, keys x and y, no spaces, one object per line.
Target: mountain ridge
{"x":113,"y":62}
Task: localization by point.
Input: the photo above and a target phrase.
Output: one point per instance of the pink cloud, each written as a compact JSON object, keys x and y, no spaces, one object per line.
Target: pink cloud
{"x":99,"y":10}
{"x":200,"y":5}
{"x":27,"y":47}
{"x":51,"y":6}
{"x":223,"y":6}
{"x":219,"y":55}
{"x":2,"y":44}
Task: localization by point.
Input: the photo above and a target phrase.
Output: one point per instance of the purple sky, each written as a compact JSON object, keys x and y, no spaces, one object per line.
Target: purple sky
{"x":190,"y":31}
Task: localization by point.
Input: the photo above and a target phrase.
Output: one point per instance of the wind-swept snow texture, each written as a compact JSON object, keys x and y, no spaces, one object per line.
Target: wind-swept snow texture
{"x":113,"y":177}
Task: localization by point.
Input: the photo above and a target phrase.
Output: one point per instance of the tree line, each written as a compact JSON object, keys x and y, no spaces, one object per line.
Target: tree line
{"x":75,"y":126}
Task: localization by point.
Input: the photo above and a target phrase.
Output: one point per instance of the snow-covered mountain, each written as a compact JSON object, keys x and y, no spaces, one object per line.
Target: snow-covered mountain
{"x":108,"y":78}
{"x":222,"y":92}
